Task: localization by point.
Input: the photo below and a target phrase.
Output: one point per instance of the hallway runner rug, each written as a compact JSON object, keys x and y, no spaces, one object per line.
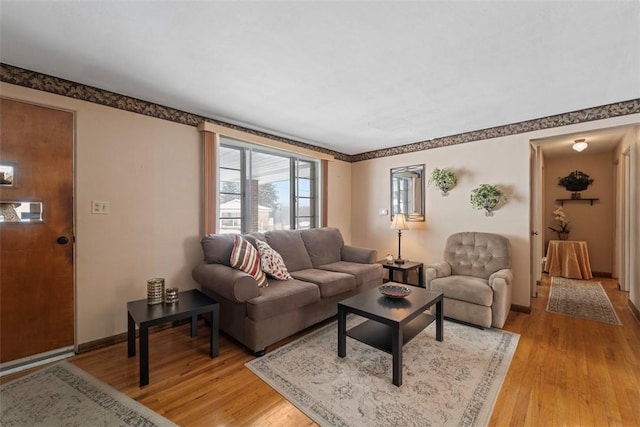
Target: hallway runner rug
{"x":450,"y":383}
{"x":581,"y":298}
{"x":65,"y":395}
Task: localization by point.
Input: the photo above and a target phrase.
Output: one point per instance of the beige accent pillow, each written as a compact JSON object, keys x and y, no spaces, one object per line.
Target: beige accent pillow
{"x":272,"y":262}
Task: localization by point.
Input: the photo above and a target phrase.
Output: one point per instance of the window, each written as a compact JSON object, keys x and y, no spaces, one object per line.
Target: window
{"x":263,"y":189}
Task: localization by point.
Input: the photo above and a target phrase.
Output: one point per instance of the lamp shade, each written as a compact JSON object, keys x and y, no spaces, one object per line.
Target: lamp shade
{"x":399,"y":222}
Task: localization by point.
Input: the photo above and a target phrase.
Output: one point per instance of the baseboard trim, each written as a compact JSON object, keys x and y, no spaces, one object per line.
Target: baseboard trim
{"x":601,"y":274}
{"x":521,"y":308}
{"x":102,"y":342}
{"x":116,"y":339}
{"x":634,"y":310}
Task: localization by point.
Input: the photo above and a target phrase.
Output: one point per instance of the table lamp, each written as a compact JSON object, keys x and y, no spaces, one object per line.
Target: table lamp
{"x":399,"y":223}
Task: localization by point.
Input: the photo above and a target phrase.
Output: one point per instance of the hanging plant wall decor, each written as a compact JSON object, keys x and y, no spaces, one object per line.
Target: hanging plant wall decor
{"x":444,"y":179}
{"x":487,"y":197}
{"x":575,"y":182}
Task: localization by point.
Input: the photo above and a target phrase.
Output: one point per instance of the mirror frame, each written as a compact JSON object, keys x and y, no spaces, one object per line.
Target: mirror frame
{"x":413,"y":176}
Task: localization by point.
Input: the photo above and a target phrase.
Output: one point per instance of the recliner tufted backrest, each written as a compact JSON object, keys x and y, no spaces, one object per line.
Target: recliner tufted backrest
{"x":477,"y":254}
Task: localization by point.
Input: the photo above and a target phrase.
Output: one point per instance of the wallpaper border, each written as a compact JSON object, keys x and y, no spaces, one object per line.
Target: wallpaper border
{"x":35,"y":80}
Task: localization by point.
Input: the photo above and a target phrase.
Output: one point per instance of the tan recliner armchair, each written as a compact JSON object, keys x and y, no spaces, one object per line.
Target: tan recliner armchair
{"x":475,"y":278}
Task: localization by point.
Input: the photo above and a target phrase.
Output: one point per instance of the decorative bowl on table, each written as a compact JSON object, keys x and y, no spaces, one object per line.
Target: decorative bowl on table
{"x":394,"y":291}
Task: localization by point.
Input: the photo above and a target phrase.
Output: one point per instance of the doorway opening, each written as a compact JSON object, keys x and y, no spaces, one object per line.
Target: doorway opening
{"x":599,"y":215}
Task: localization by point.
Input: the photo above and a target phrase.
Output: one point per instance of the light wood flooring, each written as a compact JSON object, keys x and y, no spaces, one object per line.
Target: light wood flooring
{"x":566,"y":372}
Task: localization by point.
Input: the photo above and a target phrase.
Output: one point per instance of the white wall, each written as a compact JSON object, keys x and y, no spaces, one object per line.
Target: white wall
{"x":634,"y":278}
{"x":339,"y":194}
{"x":474,"y":163}
{"x":149,"y":170}
{"x":625,"y":157}
{"x":502,"y":161}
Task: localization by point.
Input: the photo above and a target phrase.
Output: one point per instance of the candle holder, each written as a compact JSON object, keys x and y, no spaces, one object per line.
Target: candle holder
{"x":171,"y":296}
{"x":155,"y":291}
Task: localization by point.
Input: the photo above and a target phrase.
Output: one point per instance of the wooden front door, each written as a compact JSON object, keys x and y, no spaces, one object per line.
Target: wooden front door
{"x":36,"y":257}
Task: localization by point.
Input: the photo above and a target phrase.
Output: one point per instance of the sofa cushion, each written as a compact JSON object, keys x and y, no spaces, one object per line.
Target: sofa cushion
{"x":289,"y":245}
{"x":362,"y":272}
{"x":282,"y":297}
{"x":359,"y":255}
{"x":272,"y":262}
{"x":323,"y":245}
{"x":246,"y":258}
{"x":330,"y":282}
{"x":465,"y":288}
{"x":217,"y":248}
{"x":254,"y":237}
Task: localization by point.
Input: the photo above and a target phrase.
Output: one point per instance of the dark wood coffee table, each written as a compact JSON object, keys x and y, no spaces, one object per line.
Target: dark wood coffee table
{"x":393,"y":321}
{"x":190,"y":304}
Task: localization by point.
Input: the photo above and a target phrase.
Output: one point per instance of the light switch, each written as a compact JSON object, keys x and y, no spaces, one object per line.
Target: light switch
{"x":383,"y":211}
{"x":101,"y":207}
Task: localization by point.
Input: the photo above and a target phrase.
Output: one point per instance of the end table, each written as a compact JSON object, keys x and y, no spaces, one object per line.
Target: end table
{"x":190,"y":304}
{"x":405,"y":269}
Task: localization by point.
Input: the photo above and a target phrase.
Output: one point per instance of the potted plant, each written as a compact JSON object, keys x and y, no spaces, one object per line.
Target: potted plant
{"x":487,"y":197}
{"x":563,"y":224}
{"x":444,"y":179}
{"x":575,"y":181}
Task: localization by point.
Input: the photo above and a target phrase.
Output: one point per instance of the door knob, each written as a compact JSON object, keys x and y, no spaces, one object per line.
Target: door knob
{"x":63,"y":240}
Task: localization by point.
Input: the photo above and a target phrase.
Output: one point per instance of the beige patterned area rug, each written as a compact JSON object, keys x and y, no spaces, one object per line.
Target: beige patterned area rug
{"x":581,"y":298}
{"x":64,"y":395}
{"x":449,"y":383}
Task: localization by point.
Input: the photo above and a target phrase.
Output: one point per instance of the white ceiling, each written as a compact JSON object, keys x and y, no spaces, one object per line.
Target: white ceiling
{"x":348,"y":76}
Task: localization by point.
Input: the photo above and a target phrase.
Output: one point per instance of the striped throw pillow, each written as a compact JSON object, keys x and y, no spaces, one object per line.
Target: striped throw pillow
{"x":246,"y":258}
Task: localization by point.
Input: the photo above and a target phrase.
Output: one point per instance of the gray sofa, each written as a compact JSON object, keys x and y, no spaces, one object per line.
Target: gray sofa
{"x":325,"y":271}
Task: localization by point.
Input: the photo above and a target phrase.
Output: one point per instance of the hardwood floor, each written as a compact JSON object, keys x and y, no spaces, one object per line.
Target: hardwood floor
{"x":566,"y":372}
{"x":572,"y":372}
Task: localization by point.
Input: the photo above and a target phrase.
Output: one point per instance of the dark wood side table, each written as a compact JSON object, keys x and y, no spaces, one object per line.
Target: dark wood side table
{"x":190,"y":304}
{"x":405,"y":269}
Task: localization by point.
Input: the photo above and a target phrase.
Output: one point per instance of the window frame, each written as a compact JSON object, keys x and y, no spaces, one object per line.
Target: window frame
{"x":247,"y":149}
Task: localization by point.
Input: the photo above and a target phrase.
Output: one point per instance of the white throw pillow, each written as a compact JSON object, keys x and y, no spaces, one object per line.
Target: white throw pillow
{"x":272,"y":262}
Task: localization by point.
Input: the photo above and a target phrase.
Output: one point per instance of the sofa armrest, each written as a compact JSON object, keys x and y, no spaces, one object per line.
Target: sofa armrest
{"x":500,"y":282}
{"x":505,"y":275}
{"x":433,"y":271}
{"x":359,"y":255}
{"x":230,"y":283}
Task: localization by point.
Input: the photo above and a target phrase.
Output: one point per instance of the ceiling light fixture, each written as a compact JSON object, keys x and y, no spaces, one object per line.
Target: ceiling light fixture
{"x":579,"y":145}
